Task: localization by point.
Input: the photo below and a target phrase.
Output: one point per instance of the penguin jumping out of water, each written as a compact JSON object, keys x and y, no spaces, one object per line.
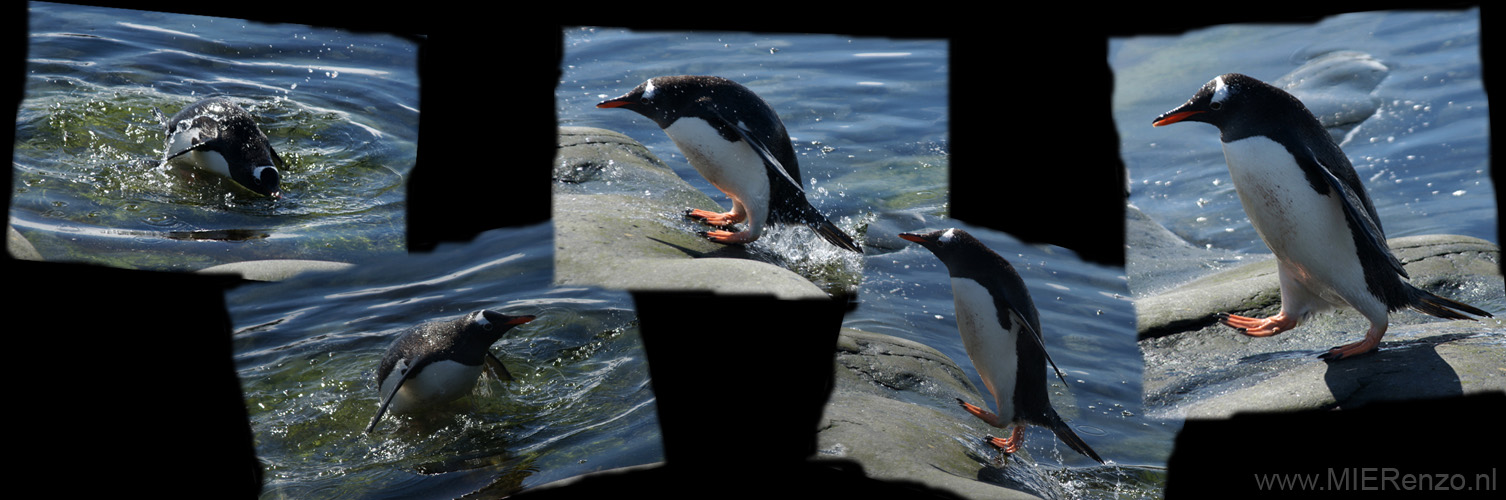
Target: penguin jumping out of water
{"x":738,"y":143}
{"x":1308,"y":205}
{"x":218,"y":136}
{"x":439,"y":361}
{"x":1001,"y":331}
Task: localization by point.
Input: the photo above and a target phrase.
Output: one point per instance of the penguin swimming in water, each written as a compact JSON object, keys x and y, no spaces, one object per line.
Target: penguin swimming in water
{"x":218,"y":136}
{"x":1001,"y":331}
{"x":1306,"y":201}
{"x":738,"y":143}
{"x":439,"y":361}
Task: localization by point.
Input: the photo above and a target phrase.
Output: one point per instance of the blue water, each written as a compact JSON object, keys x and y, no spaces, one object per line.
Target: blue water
{"x":306,"y":348}
{"x":1424,"y":156}
{"x":869,"y":117}
{"x":341,"y":108}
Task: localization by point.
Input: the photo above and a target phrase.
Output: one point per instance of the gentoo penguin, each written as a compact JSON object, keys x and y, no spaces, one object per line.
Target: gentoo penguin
{"x":439,"y":361}
{"x":1306,"y":202}
{"x":737,"y":142}
{"x":218,"y":136}
{"x":1002,"y":334}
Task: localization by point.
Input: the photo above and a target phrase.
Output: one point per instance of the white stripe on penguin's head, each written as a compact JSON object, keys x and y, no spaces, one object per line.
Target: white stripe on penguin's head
{"x":480,"y":318}
{"x":649,"y":89}
{"x":1221,"y":90}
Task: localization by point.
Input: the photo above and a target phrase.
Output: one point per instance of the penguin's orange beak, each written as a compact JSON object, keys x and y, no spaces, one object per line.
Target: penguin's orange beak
{"x":1170,"y":118}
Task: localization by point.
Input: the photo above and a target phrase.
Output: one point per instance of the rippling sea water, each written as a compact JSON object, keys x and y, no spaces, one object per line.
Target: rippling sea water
{"x":340,"y":107}
{"x":306,"y":350}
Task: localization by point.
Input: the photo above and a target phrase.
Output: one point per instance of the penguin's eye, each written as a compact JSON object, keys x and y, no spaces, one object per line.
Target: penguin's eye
{"x":1215,"y":105}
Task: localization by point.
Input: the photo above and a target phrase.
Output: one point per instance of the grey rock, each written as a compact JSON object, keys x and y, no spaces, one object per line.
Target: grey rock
{"x":1337,"y":87}
{"x":274,"y":270}
{"x":893,"y":410}
{"x":18,"y":246}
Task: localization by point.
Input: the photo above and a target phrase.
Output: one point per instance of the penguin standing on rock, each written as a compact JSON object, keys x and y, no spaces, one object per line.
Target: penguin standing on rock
{"x":738,"y":143}
{"x":1306,"y":202}
{"x":439,"y":361}
{"x":218,"y":136}
{"x":1001,"y":331}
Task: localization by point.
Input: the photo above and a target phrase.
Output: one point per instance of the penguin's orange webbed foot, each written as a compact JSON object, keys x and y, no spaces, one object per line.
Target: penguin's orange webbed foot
{"x":715,"y":218}
{"x":1369,"y":344}
{"x":727,"y":237}
{"x":1010,"y":444}
{"x":1256,"y":327}
{"x":985,"y":415}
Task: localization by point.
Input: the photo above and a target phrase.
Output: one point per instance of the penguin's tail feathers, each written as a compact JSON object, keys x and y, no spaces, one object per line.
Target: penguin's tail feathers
{"x":831,"y":233}
{"x":1067,"y":435}
{"x":1433,"y":305}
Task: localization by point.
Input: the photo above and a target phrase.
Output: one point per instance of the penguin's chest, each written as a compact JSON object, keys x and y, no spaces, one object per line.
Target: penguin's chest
{"x":436,"y":383}
{"x":733,"y":167}
{"x":990,"y":346}
{"x":1305,"y":230}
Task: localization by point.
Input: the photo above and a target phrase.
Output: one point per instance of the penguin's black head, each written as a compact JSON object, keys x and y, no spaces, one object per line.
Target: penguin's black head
{"x":264,"y":180}
{"x":1239,"y":106}
{"x":654,"y":98}
{"x":943,"y":242}
{"x":491,"y":325}
{"x":664,"y":99}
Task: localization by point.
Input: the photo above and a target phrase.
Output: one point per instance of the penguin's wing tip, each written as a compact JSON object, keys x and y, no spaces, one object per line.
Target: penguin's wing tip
{"x":763,"y":152}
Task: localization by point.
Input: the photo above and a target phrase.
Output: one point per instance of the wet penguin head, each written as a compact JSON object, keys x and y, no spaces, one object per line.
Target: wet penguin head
{"x":218,"y":136}
{"x":665,"y":99}
{"x":1242,"y":106}
{"x":945,"y":243}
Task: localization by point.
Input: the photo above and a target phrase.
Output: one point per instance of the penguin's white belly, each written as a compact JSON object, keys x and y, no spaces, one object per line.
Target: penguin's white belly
{"x":1307,"y":231}
{"x":733,"y":167}
{"x":989,"y":346}
{"x":438,"y":382}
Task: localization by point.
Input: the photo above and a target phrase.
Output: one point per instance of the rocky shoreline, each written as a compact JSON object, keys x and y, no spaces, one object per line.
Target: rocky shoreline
{"x":1195,"y":368}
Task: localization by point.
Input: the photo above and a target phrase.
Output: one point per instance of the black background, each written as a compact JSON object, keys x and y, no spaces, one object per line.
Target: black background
{"x":1030,"y":114}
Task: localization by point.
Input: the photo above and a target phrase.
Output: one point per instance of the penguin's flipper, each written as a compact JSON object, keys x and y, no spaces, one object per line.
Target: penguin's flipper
{"x":386,"y":400}
{"x":196,"y":147}
{"x":1067,"y":435}
{"x":497,"y":369}
{"x":1357,"y":211}
{"x":1040,"y":341}
{"x":762,"y":149}
{"x":823,"y":227}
